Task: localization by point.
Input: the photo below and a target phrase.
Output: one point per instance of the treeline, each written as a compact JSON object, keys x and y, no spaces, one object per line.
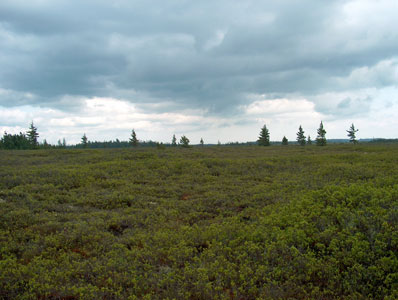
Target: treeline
{"x":29,"y":140}
{"x":302,"y":140}
{"x":21,"y":141}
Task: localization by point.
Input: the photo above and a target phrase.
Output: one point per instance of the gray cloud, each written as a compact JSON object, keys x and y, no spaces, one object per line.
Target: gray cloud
{"x":205,"y":54}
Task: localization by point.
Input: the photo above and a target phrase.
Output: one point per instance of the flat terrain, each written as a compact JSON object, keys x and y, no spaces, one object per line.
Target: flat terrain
{"x":201,"y":223}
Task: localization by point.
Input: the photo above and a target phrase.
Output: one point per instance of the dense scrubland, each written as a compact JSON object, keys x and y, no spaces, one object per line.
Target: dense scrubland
{"x":200,"y":223}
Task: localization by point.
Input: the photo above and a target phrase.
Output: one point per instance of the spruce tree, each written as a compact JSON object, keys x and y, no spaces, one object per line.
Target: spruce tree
{"x":15,"y":141}
{"x":351,"y":134}
{"x":285,"y":142}
{"x":263,"y":139}
{"x":321,"y":138}
{"x":84,"y":141}
{"x":32,"y":135}
{"x":201,"y":142}
{"x":301,"y":136}
{"x":309,"y":141}
{"x":174,"y":140}
{"x":45,"y":144}
{"x":184,"y":142}
{"x":133,"y":139}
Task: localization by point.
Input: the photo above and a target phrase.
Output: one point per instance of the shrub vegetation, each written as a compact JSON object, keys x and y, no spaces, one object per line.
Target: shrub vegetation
{"x":200,"y":223}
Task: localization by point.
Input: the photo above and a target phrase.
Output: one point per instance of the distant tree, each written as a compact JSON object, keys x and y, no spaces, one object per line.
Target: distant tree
{"x":174,"y":140}
{"x":84,"y":141}
{"x":285,"y":142}
{"x":301,"y":136}
{"x":218,"y":143}
{"x":45,"y":144}
{"x":309,"y":141}
{"x":32,"y":135}
{"x":263,"y":139}
{"x":160,"y":146}
{"x":351,"y":134}
{"x":61,"y":144}
{"x":201,"y":142}
{"x":321,"y":138}
{"x":184,"y":142}
{"x":133,"y":139}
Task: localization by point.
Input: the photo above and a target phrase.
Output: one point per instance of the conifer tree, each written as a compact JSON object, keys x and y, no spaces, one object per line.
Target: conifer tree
{"x":263,"y":139}
{"x":351,"y":134}
{"x":301,"y":136}
{"x":309,"y":141}
{"x":201,"y":142}
{"x":15,"y":141}
{"x":174,"y":140}
{"x":84,"y":141}
{"x":321,"y":138}
{"x":45,"y":144}
{"x":184,"y":142}
{"x":32,"y":135}
{"x":133,"y":139}
{"x":285,"y":142}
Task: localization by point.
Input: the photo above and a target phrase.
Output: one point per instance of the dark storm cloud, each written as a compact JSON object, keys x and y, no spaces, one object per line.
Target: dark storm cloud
{"x":207,"y":54}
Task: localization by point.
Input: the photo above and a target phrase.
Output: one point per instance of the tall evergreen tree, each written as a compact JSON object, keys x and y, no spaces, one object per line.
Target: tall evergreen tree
{"x":321,"y":138}
{"x":351,"y":134}
{"x":174,"y":140}
{"x":133,"y":139}
{"x":309,"y":141}
{"x":301,"y":136}
{"x":201,"y":142}
{"x":84,"y":141}
{"x":32,"y":135}
{"x":263,"y":139}
{"x":285,"y":142}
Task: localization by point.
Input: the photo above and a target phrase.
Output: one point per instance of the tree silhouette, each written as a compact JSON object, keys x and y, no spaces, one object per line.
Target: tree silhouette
{"x":321,"y":138}
{"x":32,"y":135}
{"x":184,"y":141}
{"x":351,"y":134}
{"x":133,"y":139}
{"x":301,"y":136}
{"x":174,"y":140}
{"x":263,"y":139}
{"x":84,"y":141}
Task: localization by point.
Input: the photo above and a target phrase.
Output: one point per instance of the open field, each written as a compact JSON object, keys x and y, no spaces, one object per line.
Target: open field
{"x":200,"y":223}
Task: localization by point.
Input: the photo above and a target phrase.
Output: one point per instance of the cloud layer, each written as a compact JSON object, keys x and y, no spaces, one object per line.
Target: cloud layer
{"x":219,"y":60}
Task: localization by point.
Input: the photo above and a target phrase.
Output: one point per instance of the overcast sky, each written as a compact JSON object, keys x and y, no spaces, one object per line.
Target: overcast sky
{"x":216,"y":69}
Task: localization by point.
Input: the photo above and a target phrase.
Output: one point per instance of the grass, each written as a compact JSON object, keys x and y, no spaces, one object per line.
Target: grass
{"x":200,"y":223}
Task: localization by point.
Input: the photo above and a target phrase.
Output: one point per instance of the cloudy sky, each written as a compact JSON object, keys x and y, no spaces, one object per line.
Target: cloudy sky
{"x":217,"y":69}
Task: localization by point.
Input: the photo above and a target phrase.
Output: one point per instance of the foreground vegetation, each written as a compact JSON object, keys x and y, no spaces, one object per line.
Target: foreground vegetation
{"x":200,"y":223}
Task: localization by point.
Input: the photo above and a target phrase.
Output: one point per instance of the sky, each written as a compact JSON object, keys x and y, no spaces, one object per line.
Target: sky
{"x":212,"y":69}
